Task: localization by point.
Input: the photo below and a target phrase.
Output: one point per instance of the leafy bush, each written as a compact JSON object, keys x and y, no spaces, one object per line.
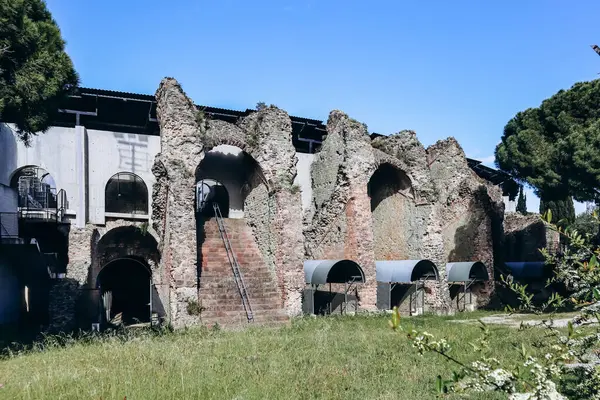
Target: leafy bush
{"x":570,"y":365}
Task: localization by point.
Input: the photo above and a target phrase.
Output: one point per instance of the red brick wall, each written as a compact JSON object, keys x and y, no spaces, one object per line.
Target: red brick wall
{"x":219,"y":293}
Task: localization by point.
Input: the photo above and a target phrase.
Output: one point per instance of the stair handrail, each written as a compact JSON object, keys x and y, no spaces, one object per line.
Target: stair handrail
{"x":235,"y":266}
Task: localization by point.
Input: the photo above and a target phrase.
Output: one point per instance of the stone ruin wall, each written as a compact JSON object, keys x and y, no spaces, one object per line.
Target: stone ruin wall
{"x":270,"y":205}
{"x":469,"y":210}
{"x":449,"y":214}
{"x":404,"y":151}
{"x":338,"y":224}
{"x":525,"y":235}
{"x":73,"y":300}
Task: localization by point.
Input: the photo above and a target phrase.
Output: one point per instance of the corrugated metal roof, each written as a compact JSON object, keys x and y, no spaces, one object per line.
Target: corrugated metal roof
{"x":209,"y":109}
{"x":319,"y":272}
{"x":405,"y":271}
{"x":114,"y":93}
{"x":466,"y":271}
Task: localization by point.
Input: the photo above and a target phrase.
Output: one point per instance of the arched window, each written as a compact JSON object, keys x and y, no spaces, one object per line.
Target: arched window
{"x":208,"y":193}
{"x":36,"y":188}
{"x":126,"y":193}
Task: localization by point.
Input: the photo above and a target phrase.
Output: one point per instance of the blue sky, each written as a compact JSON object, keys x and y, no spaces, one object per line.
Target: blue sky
{"x":443,"y":68}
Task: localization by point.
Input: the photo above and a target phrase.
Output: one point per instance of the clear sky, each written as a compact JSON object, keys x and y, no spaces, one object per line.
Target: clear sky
{"x":443,"y":68}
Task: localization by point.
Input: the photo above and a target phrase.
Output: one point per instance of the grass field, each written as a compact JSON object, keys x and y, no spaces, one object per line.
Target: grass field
{"x":325,"y":358}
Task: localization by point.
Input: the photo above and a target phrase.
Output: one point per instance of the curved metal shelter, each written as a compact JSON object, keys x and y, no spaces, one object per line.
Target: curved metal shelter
{"x":319,"y":272}
{"x":466,"y":271}
{"x":527,"y":270}
{"x":405,"y":271}
{"x":401,"y":280}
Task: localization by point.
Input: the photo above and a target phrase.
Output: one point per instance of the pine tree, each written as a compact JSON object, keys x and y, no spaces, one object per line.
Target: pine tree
{"x":522,"y":202}
{"x":35,"y":72}
{"x":534,"y":142}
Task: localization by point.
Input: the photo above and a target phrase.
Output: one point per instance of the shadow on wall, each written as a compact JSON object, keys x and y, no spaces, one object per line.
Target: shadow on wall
{"x":386,"y":181}
{"x":133,"y":152}
{"x":238,"y":172}
{"x":525,"y":244}
{"x":393,"y":214}
{"x":472,"y":241}
{"x":8,"y":153}
{"x":468,"y":239}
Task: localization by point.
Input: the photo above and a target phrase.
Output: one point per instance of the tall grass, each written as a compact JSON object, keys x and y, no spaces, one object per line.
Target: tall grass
{"x":314,"y":358}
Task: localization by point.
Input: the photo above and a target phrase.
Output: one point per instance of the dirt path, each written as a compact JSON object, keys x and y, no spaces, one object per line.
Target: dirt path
{"x":515,"y":320}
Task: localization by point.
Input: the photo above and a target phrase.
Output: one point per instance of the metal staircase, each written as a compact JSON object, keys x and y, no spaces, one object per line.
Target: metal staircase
{"x":235,"y":266}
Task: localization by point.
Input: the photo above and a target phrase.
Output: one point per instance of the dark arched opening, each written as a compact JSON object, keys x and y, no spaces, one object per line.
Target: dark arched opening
{"x":395,"y":228}
{"x":126,"y":193}
{"x":120,"y":279}
{"x":208,"y":194}
{"x":387,"y":181}
{"x":125,"y":291}
{"x":233,"y":173}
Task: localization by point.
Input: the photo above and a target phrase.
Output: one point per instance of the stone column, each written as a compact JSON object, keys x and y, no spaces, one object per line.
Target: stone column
{"x":468,"y":209}
{"x":339,"y":224}
{"x":269,"y":133}
{"x":181,"y":152}
{"x":66,"y":302}
{"x":81,"y":163}
{"x":289,"y":255}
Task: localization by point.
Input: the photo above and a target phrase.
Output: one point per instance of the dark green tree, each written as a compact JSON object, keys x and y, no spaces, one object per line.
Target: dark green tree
{"x":586,"y":224}
{"x":522,"y":202}
{"x":563,"y":211}
{"x":35,"y":72}
{"x":555,"y":148}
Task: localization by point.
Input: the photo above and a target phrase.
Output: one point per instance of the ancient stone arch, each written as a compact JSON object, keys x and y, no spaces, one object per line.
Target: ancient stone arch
{"x":266,"y":136}
{"x":221,"y":132}
{"x":123,"y":242}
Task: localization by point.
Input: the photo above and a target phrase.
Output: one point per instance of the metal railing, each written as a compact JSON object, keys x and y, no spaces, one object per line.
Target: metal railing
{"x":49,"y":205}
{"x":235,"y":266}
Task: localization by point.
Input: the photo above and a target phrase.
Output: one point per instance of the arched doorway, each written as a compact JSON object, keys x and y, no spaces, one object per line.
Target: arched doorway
{"x":123,"y":278}
{"x":125,"y":287}
{"x":232,"y":174}
{"x":209,"y":193}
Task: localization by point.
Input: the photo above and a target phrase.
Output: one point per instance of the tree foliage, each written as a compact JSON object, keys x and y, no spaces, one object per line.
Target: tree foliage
{"x":586,"y":224}
{"x":555,"y":148}
{"x":35,"y":72}
{"x":569,"y":365}
{"x":563,"y":211}
{"x":522,"y":202}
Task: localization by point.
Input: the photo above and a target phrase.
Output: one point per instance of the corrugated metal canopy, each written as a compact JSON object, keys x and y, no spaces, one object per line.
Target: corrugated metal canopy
{"x":524,"y":270}
{"x":318,"y":272}
{"x":466,"y":271}
{"x":405,"y":271}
